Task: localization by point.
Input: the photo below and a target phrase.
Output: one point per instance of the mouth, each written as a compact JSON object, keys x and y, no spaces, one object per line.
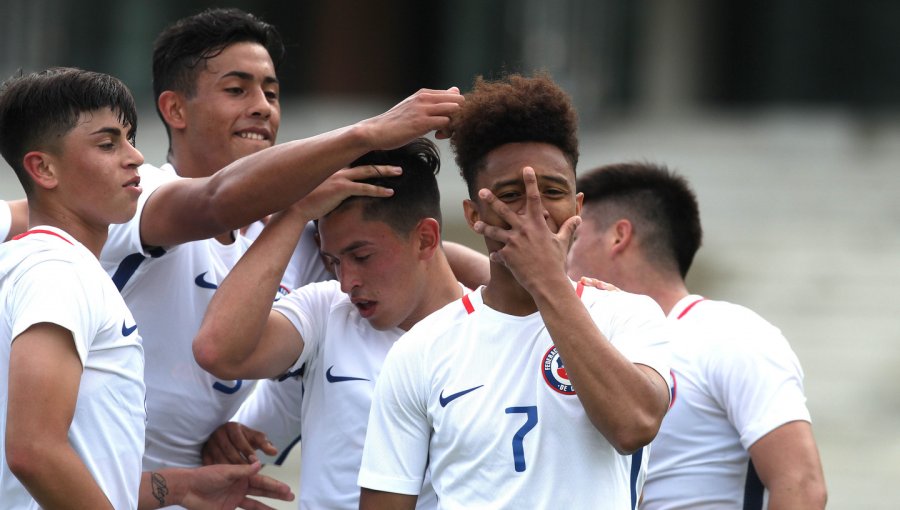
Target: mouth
{"x":260,"y":135}
{"x":135,"y":182}
{"x":366,"y":308}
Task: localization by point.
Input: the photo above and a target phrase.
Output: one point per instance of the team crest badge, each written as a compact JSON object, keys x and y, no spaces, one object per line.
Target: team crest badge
{"x":555,"y":372}
{"x":281,"y":292}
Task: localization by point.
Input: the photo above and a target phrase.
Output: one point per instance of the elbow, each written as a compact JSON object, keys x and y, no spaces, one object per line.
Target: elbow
{"x":211,"y":358}
{"x":632,"y":436}
{"x":24,"y":461}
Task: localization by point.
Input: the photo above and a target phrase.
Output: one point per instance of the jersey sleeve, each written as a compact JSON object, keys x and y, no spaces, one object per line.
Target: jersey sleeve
{"x":758,"y":380}
{"x":638,"y":328}
{"x":5,"y":220}
{"x":395,"y":455}
{"x":125,"y":238}
{"x":51,"y":292}
{"x":274,"y":408}
{"x":308,"y":309}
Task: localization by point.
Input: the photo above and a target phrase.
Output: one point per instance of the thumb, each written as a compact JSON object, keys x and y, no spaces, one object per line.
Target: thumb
{"x":237,"y":471}
{"x":567,"y":230}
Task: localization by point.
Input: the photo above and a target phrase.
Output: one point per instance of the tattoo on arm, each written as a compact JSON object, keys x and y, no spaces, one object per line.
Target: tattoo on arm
{"x":159,"y":488}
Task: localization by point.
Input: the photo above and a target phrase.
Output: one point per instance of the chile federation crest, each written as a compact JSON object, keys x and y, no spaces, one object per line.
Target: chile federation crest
{"x":555,"y":372}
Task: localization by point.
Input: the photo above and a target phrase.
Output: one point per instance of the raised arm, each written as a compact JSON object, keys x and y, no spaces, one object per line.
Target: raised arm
{"x":273,"y":179}
{"x":470,"y":267}
{"x":625,"y":401}
{"x":240,"y":336}
{"x":44,"y":377}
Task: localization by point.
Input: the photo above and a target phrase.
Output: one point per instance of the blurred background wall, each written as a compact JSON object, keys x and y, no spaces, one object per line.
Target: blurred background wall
{"x":784,"y":115}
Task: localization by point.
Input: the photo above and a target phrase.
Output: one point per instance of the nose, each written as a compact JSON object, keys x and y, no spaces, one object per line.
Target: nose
{"x":261,"y":106}
{"x":133,"y":157}
{"x":348,"y":277}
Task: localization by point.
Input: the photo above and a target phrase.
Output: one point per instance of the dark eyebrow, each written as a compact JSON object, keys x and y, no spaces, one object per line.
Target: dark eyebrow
{"x":519,"y":181}
{"x":109,"y":130}
{"x":249,"y":77}
{"x":352,"y":247}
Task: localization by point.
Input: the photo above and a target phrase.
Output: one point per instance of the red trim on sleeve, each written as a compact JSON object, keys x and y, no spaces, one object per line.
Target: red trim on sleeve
{"x":688,"y":309}
{"x":467,"y":303}
{"x":39,"y":231}
{"x":579,"y":289}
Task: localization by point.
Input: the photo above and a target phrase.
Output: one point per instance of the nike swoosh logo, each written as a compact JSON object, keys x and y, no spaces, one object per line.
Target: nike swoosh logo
{"x":450,"y":398}
{"x":340,"y":378}
{"x":202,"y":283}
{"x":126,"y":330}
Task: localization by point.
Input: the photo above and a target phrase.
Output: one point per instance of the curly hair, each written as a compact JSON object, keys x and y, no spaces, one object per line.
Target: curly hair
{"x":513,"y":109}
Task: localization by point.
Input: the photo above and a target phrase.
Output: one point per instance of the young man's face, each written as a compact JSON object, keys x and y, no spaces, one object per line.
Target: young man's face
{"x":588,"y":255}
{"x":97,"y":169}
{"x":235,"y":109}
{"x":380,"y":271}
{"x":502,"y":175}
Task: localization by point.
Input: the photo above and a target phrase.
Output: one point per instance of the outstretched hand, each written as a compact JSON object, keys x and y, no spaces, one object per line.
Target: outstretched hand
{"x":419,"y":114}
{"x":533,"y":246}
{"x":342,"y":185}
{"x":225,"y":487}
{"x":235,"y":443}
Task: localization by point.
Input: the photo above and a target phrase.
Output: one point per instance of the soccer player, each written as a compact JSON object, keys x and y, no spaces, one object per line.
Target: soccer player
{"x":528,"y":391}
{"x":217,"y":93}
{"x":72,"y":398}
{"x":334,"y":335}
{"x":739,"y":424}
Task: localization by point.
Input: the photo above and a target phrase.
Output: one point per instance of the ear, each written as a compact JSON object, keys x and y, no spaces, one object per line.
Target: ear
{"x":623,"y":234}
{"x":470,"y":210}
{"x":171,"y":106}
{"x":579,"y":203}
{"x":428,"y":237}
{"x":42,"y":168}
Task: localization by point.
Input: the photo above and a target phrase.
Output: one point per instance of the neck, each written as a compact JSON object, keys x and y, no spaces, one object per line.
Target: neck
{"x":93,"y":237}
{"x":504,"y":293}
{"x":666,"y":289}
{"x":441,"y":289}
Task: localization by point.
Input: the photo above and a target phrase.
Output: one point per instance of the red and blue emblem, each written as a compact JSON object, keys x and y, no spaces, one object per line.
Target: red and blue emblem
{"x":555,"y":372}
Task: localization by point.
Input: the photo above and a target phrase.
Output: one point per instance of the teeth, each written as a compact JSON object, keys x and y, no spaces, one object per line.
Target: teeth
{"x":252,"y":136}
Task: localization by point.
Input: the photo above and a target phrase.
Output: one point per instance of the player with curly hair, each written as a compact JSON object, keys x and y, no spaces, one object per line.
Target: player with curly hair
{"x":478,"y":392}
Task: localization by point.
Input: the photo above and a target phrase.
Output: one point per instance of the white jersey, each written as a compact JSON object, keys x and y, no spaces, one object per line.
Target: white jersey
{"x":274,"y":408}
{"x":483,"y":399}
{"x":5,"y":220}
{"x":341,"y":360}
{"x":168,"y":289}
{"x":46,"y":276}
{"x":737,"y":379}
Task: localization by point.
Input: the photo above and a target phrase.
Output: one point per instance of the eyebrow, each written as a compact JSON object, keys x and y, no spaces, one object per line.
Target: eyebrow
{"x":353,"y":246}
{"x":243,"y":75}
{"x":108,"y":130}
{"x":519,"y":180}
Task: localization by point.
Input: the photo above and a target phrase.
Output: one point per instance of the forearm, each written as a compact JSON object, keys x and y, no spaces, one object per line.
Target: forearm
{"x":622,"y":402}
{"x":57,"y":478}
{"x":233,"y":326}
{"x":470,"y":267}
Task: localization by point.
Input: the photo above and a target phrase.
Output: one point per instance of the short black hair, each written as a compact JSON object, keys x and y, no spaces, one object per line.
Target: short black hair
{"x":509,"y":110}
{"x":660,"y":204}
{"x":182,"y":49}
{"x":38,"y":109}
{"x":416,"y":194}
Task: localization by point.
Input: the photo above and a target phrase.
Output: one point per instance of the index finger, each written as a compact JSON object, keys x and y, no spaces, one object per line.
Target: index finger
{"x":239,"y":445}
{"x":362,"y":172}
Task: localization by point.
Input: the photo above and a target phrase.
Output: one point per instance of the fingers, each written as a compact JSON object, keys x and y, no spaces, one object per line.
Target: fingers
{"x":259,"y":441}
{"x":599,"y":284}
{"x":268,"y":487}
